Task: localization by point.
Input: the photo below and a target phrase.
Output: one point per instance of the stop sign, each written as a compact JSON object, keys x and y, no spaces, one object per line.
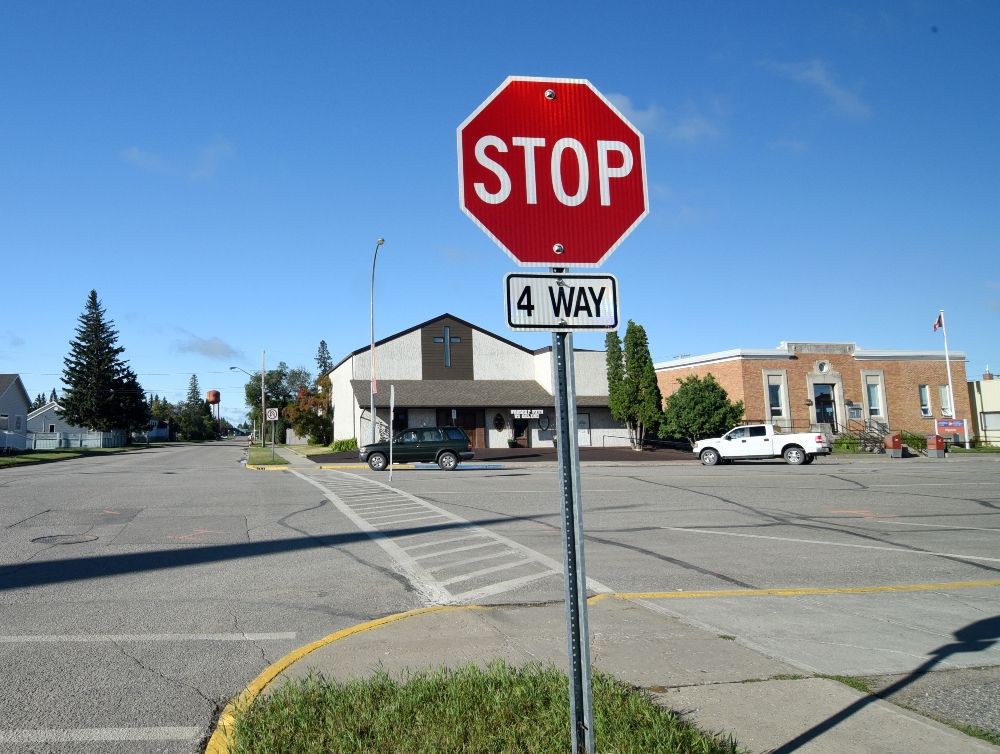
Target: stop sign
{"x":552,"y":172}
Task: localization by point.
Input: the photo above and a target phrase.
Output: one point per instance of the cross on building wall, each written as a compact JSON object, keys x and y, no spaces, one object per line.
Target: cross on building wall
{"x":447,"y":340}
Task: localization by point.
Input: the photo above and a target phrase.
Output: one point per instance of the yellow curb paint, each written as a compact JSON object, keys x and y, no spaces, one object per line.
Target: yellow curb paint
{"x":254,"y":467}
{"x":220,"y":740}
{"x":796,"y":592}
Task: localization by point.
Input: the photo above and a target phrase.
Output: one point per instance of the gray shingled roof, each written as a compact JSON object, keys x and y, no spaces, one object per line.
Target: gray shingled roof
{"x":465,"y":393}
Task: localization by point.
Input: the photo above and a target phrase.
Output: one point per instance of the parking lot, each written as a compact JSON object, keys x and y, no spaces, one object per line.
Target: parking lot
{"x":872,"y":563}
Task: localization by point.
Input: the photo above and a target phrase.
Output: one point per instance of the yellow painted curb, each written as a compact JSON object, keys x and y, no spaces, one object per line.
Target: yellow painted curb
{"x":256,"y":467}
{"x":795,"y":592}
{"x":220,"y":740}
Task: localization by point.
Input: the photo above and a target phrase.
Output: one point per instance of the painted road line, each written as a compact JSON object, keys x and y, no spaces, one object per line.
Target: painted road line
{"x":70,"y":735}
{"x":438,"y":542}
{"x":137,"y":638}
{"x":425,"y":585}
{"x":943,"y":526}
{"x":942,"y":586}
{"x":349,"y":490}
{"x":793,"y":540}
{"x":221,"y":737}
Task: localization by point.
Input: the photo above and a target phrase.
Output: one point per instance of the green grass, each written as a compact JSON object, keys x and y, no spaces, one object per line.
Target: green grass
{"x":62,"y":454}
{"x":856,"y":683}
{"x":979,"y":449}
{"x":860,"y":684}
{"x":501,"y":710}
{"x":262,"y":457}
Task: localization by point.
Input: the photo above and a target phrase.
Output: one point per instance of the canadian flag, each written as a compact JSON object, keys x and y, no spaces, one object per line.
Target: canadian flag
{"x":939,"y":322}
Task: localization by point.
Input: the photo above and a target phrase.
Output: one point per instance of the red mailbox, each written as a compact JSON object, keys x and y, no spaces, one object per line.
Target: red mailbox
{"x":894,"y":445}
{"x":936,"y":446}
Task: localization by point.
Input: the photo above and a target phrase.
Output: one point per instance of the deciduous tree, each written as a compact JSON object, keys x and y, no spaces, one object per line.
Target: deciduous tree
{"x":699,"y":408}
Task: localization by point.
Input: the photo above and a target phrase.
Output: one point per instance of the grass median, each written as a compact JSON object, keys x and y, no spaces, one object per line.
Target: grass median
{"x":499,"y":710}
{"x":263,"y":457}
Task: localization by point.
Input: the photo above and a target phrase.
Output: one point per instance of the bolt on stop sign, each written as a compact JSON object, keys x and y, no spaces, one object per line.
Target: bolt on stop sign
{"x":552,"y":172}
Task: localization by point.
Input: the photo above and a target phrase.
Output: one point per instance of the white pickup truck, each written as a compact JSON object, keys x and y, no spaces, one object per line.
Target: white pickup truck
{"x":762,"y":441}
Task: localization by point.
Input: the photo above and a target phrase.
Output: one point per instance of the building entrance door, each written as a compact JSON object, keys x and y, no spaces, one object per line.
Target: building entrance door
{"x":472,"y":420}
{"x":826,"y":412}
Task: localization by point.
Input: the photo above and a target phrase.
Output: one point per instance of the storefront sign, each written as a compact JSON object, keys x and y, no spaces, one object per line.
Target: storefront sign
{"x":526,"y":413}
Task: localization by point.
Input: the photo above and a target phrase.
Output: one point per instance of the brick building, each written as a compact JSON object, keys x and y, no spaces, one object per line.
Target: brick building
{"x":804,"y":385}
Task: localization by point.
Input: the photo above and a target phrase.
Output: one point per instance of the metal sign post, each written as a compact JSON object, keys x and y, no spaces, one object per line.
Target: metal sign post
{"x":272,"y":416}
{"x":581,"y":707}
{"x":392,"y":419}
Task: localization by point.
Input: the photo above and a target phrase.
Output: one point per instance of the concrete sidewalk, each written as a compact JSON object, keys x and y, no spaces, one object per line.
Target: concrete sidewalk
{"x":713,"y":681}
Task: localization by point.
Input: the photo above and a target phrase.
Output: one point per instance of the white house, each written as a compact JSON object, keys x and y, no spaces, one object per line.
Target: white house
{"x":447,"y":371}
{"x":49,"y":418}
{"x":14,"y":405}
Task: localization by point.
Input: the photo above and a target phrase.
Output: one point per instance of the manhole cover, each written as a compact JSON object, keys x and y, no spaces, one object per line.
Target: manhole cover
{"x":64,"y":539}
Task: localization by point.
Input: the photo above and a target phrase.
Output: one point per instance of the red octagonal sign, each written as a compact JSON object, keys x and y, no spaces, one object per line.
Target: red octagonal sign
{"x":552,"y":172}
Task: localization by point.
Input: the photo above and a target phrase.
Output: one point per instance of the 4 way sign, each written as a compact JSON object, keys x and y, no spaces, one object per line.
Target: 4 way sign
{"x":556,"y":302}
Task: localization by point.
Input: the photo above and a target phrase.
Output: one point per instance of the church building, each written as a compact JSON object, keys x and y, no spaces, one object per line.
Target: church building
{"x":447,"y":371}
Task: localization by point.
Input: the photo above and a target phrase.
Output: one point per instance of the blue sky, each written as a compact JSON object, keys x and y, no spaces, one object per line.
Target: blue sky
{"x":220,"y":172}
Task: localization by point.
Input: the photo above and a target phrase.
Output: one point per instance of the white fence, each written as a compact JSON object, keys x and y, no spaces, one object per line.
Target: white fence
{"x":55,"y":440}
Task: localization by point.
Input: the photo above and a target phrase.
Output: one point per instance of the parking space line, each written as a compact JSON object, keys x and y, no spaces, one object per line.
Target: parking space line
{"x":127,"y":638}
{"x":794,"y":540}
{"x":69,"y":735}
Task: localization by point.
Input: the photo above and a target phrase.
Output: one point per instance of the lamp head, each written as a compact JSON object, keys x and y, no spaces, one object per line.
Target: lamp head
{"x":380,"y":242}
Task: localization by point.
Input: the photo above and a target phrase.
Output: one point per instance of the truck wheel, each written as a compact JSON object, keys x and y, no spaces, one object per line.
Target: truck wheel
{"x":709,"y":456}
{"x":795,"y":456}
{"x":809,"y":459}
{"x":377,"y":462}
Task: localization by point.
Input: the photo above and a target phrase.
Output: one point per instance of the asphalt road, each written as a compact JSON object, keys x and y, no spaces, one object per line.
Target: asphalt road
{"x":176,"y":575}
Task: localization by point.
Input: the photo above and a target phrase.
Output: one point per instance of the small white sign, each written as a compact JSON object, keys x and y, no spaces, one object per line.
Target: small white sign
{"x":526,"y":413}
{"x":271,"y":414}
{"x":553,"y":302}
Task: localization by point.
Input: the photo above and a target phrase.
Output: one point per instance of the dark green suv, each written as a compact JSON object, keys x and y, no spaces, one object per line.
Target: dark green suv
{"x":441,"y":445}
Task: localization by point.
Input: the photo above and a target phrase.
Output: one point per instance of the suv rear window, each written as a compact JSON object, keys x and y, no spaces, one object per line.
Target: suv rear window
{"x":454,"y":433}
{"x":431,"y":435}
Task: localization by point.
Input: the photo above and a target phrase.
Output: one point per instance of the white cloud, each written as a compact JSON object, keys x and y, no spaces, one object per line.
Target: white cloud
{"x":212,"y":348}
{"x":204,"y":165}
{"x":816,"y":74}
{"x":690,"y":127}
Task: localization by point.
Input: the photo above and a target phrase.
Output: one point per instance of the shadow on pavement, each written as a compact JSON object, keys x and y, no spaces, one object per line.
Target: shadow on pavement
{"x":974,"y":637}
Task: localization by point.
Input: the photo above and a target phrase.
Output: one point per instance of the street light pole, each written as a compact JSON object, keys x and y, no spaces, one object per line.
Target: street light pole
{"x":371,"y":376}
{"x":262,"y":405}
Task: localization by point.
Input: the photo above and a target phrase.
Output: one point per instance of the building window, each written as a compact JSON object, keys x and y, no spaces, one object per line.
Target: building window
{"x":945,"y":400}
{"x":52,"y":428}
{"x":874,"y":395}
{"x":925,"y":401}
{"x":774,"y":402}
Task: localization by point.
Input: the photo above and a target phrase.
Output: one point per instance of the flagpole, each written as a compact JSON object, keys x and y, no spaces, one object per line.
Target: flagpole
{"x":951,"y":389}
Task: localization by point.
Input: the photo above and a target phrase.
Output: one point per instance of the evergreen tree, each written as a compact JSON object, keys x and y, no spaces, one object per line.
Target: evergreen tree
{"x":324,"y":364}
{"x":699,"y":408}
{"x":633,"y":393}
{"x":194,"y":416}
{"x":52,"y":396}
{"x":102,"y":392}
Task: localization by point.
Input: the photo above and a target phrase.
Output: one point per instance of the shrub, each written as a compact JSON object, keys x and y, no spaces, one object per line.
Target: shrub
{"x":340,"y":446}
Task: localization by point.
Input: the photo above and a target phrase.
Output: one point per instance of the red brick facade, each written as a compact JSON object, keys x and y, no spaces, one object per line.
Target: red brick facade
{"x":862,"y":385}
